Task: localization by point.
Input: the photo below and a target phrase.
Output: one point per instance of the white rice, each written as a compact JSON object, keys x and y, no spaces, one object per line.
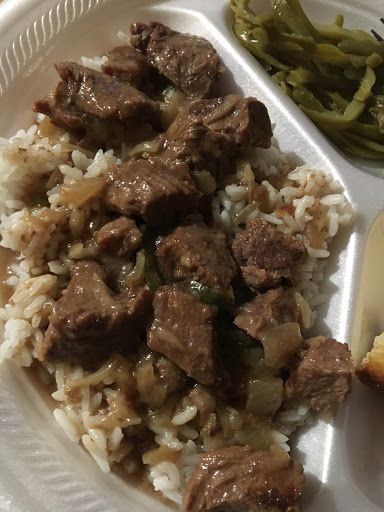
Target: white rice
{"x":305,"y":194}
{"x":184,"y":416}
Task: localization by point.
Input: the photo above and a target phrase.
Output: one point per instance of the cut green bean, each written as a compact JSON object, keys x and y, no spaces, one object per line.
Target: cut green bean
{"x":334,"y":74}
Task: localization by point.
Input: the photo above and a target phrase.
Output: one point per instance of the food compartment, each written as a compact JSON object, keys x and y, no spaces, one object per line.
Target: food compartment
{"x":352,"y":16}
{"x":324,"y":449}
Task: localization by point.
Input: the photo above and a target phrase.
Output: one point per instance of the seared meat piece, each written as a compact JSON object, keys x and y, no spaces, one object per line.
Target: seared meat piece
{"x":208,"y":132}
{"x":240,"y":478}
{"x":97,"y":108}
{"x":151,"y":190}
{"x":89,"y":321}
{"x":182,"y":331}
{"x":267,"y":257}
{"x":244,"y":120}
{"x":128,"y":65}
{"x":322,"y":376}
{"x":197,"y":253}
{"x":268,"y":309}
{"x":121,"y":237}
{"x":189,"y":62}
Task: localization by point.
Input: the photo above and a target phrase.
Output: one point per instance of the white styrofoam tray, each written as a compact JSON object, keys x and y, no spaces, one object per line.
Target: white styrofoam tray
{"x":40,"y":469}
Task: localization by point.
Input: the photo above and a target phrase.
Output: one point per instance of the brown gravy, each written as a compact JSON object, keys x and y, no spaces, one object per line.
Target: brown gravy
{"x":137,"y":479}
{"x":7,"y":256}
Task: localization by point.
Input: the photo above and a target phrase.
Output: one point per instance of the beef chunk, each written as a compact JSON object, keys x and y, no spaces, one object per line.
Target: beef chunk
{"x":97,"y":108}
{"x":121,"y":237}
{"x":129,"y":65}
{"x":208,"y":132}
{"x":89,"y":322}
{"x":267,"y":257}
{"x":189,"y":62}
{"x":322,"y":375}
{"x":182,"y":331}
{"x":197,"y":253}
{"x":244,"y":120}
{"x":268,"y":309}
{"x":151,"y":190}
{"x":240,"y":478}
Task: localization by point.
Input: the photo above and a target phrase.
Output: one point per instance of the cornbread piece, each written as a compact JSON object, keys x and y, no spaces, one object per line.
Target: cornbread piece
{"x":371,"y":369}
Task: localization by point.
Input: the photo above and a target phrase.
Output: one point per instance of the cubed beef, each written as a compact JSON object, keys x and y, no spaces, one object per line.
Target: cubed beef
{"x":268,"y":309}
{"x":189,"y":62}
{"x":89,"y":321}
{"x":240,"y":478}
{"x":96,"y":108}
{"x":121,"y":237}
{"x":244,"y":120}
{"x":129,"y":65}
{"x":151,"y":190}
{"x":268,"y":257}
{"x":199,"y":253}
{"x":208,"y":132}
{"x":321,"y":378}
{"x":182,"y":331}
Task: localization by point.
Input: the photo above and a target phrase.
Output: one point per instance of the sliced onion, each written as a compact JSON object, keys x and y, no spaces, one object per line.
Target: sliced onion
{"x":79,"y":193}
{"x":264,"y":396}
{"x":205,"y":182}
{"x":280,"y":343}
{"x":304,"y":310}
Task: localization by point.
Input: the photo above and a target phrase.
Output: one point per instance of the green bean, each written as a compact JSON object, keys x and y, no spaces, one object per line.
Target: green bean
{"x":374,"y":60}
{"x":153,"y":277}
{"x":364,"y":91}
{"x":242,"y":10}
{"x":339,"y":20}
{"x":370,"y":144}
{"x":369,"y":131}
{"x":209,"y":295}
{"x":291,"y":14}
{"x":241,"y":339}
{"x":334,"y":74}
{"x":338,"y":100}
{"x":340,"y":139}
{"x":332,"y":55}
{"x":307,"y":99}
{"x":334,"y":119}
{"x":251,"y":45}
